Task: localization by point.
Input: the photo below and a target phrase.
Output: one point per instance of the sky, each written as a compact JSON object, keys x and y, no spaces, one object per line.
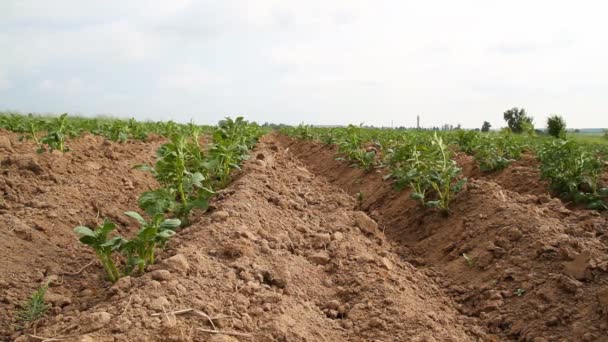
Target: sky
{"x":316,"y":61}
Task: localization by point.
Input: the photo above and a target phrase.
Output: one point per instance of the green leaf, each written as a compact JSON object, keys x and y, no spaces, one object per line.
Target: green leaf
{"x":433,"y":204}
{"x":459,"y":185}
{"x":416,"y":196}
{"x":106,"y":228}
{"x":166,"y":234}
{"x":597,"y":205}
{"x":89,"y":240}
{"x":115,"y":242}
{"x":170,"y":224}
{"x":156,"y":201}
{"x":136,"y":216}
{"x":84,"y":231}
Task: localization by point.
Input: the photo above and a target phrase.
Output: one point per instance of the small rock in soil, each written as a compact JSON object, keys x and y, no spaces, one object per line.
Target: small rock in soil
{"x":280,"y":277}
{"x":602,"y":297}
{"x":159,"y":304}
{"x":332,"y":304}
{"x":95,"y":321}
{"x":577,"y":268}
{"x":365,"y":223}
{"x":338,"y":236}
{"x":220,"y":215}
{"x":320,"y":258}
{"x":57,"y":299}
{"x":123,"y":284}
{"x":160,"y":275}
{"x":177,"y":263}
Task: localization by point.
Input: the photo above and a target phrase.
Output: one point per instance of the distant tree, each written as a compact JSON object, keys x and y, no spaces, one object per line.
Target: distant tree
{"x":486,"y":126}
{"x":577,"y":130}
{"x":606,"y":134}
{"x":556,"y":126}
{"x":517,"y":120}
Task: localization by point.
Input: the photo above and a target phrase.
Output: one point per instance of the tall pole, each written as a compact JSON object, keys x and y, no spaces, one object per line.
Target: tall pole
{"x":418,"y":121}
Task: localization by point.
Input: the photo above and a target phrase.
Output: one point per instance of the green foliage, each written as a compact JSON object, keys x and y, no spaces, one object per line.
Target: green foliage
{"x":181,"y":170}
{"x":153,"y":234}
{"x":486,"y":126}
{"x":303,"y":132}
{"x":58,"y":132}
{"x":426,"y":165}
{"x":556,"y":126}
{"x":34,"y":308}
{"x":350,"y":143}
{"x":188,"y":175}
{"x":139,"y":252}
{"x":517,"y":120}
{"x":444,"y":176}
{"x":497,"y":151}
{"x":574,"y":172}
{"x":467,"y":141}
{"x":103,"y":246}
{"x":33,"y":125}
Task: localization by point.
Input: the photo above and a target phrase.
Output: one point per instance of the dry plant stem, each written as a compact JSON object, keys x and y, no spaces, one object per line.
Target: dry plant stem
{"x":46,"y":339}
{"x":127,"y":306}
{"x":184,"y":311}
{"x":80,"y":270}
{"x":231,"y":333}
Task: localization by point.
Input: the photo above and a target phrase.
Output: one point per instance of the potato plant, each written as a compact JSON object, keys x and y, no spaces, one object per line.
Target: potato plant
{"x":139,"y":252}
{"x":180,"y":169}
{"x":444,"y":176}
{"x":574,"y":172}
{"x":102,"y":244}
{"x":56,"y":136}
{"x":153,"y":234}
{"x":351,"y":145}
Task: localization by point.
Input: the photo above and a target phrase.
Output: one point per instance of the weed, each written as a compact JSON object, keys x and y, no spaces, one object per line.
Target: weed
{"x":34,"y":308}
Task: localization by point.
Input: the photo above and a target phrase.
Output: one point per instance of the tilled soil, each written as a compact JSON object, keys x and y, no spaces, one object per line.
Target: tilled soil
{"x":43,"y":197}
{"x":289,"y":252}
{"x":282,"y":256}
{"x":538,"y":271}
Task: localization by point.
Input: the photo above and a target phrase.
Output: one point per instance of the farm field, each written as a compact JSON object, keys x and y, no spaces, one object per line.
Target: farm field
{"x":299,"y":234}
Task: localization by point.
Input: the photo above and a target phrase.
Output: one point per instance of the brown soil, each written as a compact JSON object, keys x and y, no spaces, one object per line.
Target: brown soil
{"x":539,"y":271}
{"x":521,"y":176}
{"x":44,"y":197}
{"x":285,"y":254}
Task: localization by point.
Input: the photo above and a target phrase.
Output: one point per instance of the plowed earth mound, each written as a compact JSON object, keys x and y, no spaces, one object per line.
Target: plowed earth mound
{"x":43,"y":197}
{"x":537,"y":271}
{"x":282,"y":256}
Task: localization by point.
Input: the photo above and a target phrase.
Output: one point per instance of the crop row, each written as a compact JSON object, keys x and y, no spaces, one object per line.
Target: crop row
{"x":52,"y":132}
{"x":423,"y":160}
{"x":188,"y":176}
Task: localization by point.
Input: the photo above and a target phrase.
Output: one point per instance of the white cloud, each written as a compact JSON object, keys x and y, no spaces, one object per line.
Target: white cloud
{"x":5,"y":83}
{"x":71,"y":86}
{"x":316,"y":61}
{"x":189,"y":77}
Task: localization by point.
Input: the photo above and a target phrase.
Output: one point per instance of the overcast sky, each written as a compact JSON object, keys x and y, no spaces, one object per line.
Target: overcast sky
{"x":313,"y":61}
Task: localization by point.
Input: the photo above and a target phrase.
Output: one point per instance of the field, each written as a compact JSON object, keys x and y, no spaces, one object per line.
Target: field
{"x":239,"y":233}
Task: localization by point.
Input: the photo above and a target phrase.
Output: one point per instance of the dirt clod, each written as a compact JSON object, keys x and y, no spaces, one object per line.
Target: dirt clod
{"x":365,"y":223}
{"x":177,"y":263}
{"x":94,"y":321}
